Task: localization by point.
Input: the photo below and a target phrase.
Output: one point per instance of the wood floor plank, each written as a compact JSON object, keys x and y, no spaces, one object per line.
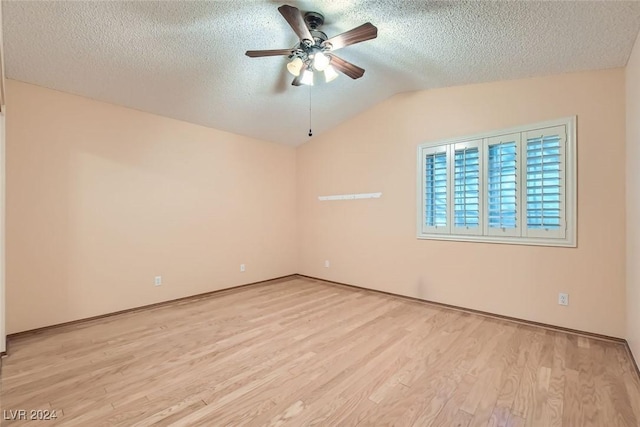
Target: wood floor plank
{"x":447,"y":414}
{"x":461,"y":419}
{"x":486,"y":405}
{"x":590,"y":367}
{"x":513,"y":359}
{"x":555,"y":392}
{"x":307,"y":352}
{"x":526,"y":396}
{"x":516,"y":421}
{"x":331,"y":396}
{"x":572,"y":412}
{"x":626,"y":370}
{"x":431,"y":390}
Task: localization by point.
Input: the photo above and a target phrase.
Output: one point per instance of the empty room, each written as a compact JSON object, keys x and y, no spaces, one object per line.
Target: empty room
{"x":323,"y":212}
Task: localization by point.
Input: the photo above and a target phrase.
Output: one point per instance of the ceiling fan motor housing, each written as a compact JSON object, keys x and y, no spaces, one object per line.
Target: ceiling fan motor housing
{"x":305,"y":50}
{"x":313,"y":20}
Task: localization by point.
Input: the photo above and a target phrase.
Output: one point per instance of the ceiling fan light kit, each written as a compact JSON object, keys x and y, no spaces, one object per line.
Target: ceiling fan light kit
{"x":314,"y":52}
{"x":330,"y":74}
{"x":307,"y":77}
{"x":320,"y":61}
{"x":295,"y":66}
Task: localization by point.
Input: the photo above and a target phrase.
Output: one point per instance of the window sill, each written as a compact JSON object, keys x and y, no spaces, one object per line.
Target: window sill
{"x":528,"y":241}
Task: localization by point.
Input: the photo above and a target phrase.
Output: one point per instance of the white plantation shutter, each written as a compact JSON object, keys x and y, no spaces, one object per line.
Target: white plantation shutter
{"x":512,"y":186}
{"x":502,"y":187}
{"x":436,"y":191}
{"x":545,"y":195}
{"x":466,"y":187}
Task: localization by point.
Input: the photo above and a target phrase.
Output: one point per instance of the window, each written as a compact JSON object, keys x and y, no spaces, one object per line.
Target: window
{"x":436,"y":195}
{"x":466,"y":187}
{"x":511,"y":186}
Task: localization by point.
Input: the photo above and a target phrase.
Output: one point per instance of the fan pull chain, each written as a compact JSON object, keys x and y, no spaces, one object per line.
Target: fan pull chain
{"x":310,"y":132}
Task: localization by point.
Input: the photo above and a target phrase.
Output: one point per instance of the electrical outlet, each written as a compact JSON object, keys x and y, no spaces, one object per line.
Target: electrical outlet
{"x":326,"y":264}
{"x":158,"y":280}
{"x":563,"y":299}
{"x":242,"y":268}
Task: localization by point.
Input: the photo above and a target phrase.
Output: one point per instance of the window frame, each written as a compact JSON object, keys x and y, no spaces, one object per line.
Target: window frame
{"x":523,"y":236}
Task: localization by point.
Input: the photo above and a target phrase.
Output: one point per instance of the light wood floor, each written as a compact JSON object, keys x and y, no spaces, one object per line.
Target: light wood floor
{"x":302,"y":352}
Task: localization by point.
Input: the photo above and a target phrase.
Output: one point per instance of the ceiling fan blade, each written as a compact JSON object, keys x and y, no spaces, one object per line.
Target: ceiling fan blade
{"x":273,"y":52}
{"x":295,"y":20}
{"x":346,"y":67}
{"x":359,"y":34}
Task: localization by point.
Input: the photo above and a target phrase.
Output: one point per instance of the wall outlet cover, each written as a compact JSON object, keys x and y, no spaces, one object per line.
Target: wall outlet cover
{"x":563,"y":299}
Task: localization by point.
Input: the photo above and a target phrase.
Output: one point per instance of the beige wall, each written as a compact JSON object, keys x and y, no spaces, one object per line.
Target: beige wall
{"x":101,"y":198}
{"x":633,"y":200}
{"x":372,"y":243}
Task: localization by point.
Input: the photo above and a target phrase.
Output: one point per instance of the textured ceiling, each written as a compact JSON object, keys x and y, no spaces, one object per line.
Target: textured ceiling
{"x":186,"y":59}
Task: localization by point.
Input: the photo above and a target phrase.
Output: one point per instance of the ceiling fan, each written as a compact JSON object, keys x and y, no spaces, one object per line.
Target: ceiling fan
{"x":315,"y":50}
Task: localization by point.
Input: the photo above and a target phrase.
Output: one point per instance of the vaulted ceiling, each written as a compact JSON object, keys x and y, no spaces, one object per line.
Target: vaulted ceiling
{"x":185,"y":60}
